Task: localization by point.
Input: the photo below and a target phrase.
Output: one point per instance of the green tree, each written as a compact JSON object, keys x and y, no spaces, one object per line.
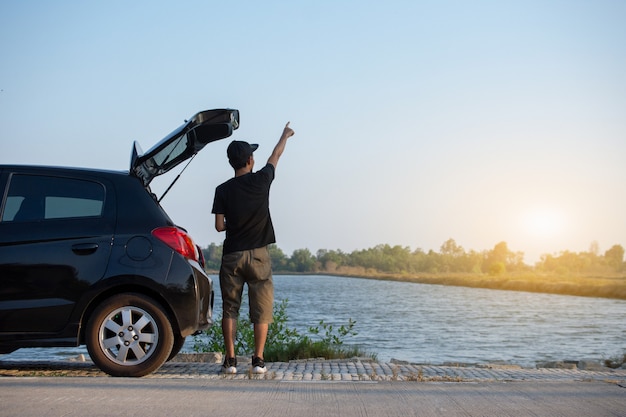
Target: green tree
{"x":383,"y":258}
{"x":450,"y":248}
{"x":452,"y":257}
{"x":614,"y":257}
{"x":331,"y":260}
{"x":212,"y":256}
{"x":568,"y":262}
{"x":496,"y":259}
{"x":302,"y":261}
{"x":512,"y":261}
{"x":430,"y":262}
{"x":497,"y":268}
{"x":278,"y":257}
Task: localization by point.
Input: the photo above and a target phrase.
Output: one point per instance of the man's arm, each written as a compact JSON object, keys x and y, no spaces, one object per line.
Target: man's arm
{"x":280,"y":146}
{"x":220,"y":222}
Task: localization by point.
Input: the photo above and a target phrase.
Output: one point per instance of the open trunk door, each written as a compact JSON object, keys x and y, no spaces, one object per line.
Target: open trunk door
{"x":183,"y":143}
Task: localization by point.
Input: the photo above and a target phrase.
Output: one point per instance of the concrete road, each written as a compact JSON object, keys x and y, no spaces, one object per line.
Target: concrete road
{"x":82,"y":396}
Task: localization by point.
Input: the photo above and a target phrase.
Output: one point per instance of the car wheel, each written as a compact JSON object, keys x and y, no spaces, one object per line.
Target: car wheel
{"x":129,"y":335}
{"x":179,"y":341}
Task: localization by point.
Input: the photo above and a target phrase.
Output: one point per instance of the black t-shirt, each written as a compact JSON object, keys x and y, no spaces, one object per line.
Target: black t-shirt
{"x":244,"y":202}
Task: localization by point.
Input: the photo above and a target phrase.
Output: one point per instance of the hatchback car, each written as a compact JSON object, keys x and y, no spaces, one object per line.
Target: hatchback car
{"x":89,"y":257}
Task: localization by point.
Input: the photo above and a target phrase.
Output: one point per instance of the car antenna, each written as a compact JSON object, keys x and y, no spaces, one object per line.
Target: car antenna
{"x":177,"y":177}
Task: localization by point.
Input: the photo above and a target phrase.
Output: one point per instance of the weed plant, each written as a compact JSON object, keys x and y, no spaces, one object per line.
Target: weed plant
{"x":283,"y":343}
{"x":616,"y":361}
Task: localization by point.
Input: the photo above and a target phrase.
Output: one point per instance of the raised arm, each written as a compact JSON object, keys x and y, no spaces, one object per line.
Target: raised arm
{"x":280,"y":146}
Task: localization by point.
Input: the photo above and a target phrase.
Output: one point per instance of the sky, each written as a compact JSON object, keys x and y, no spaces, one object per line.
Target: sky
{"x":415,"y":121}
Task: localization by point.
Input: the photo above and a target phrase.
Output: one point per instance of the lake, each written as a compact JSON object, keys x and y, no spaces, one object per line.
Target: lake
{"x":434,"y":324}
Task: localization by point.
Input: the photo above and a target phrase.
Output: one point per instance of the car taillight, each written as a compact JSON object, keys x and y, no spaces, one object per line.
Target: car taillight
{"x":178,"y":240}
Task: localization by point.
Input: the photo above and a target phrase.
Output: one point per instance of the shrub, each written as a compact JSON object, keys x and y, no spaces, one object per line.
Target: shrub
{"x":497,"y":268}
{"x":284,"y":344}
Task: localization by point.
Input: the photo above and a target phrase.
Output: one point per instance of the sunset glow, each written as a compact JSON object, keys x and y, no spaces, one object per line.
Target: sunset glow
{"x":544,"y":222}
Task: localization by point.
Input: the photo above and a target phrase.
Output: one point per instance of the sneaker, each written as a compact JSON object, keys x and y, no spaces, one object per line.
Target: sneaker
{"x":258,"y":365}
{"x":229,"y":366}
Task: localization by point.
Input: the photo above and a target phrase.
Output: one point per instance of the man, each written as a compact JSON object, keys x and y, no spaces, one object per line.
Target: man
{"x":241,"y":208}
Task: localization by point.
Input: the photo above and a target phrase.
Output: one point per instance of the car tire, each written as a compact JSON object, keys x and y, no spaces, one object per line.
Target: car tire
{"x":179,"y":341}
{"x":129,"y":335}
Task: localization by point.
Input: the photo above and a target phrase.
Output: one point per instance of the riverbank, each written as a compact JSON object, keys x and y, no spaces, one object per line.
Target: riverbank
{"x":603,"y":287}
{"x":207,"y":366}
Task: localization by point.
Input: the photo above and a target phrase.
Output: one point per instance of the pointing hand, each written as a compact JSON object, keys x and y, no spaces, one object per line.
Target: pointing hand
{"x":288,"y":132}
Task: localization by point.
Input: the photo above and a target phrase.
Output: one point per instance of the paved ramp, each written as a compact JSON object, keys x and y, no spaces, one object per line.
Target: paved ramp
{"x":157,"y":397}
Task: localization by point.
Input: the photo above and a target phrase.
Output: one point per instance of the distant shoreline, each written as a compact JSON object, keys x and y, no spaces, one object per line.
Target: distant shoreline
{"x":613,"y":287}
{"x":600,"y":287}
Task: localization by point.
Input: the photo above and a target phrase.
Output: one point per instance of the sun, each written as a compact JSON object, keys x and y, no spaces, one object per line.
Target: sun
{"x":544,"y":222}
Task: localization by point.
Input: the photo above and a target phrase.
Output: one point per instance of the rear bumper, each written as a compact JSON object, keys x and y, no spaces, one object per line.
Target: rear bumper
{"x":194,"y":307}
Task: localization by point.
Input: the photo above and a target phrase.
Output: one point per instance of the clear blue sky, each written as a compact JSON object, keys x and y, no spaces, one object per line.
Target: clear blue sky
{"x":416,"y":121}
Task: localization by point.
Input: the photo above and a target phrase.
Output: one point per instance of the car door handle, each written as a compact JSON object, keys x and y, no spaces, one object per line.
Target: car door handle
{"x":84,"y":248}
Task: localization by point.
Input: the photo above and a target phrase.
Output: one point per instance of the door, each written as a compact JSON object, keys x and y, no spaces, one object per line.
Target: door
{"x":55,"y":241}
{"x":183,"y":143}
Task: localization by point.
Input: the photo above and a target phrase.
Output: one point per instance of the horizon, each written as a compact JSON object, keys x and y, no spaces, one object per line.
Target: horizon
{"x":593,"y":250}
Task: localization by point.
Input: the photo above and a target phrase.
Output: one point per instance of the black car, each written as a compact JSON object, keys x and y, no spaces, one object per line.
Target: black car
{"x":90,"y":257}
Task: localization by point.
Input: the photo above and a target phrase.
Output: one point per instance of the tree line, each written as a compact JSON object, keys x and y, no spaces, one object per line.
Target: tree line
{"x":451,"y":258}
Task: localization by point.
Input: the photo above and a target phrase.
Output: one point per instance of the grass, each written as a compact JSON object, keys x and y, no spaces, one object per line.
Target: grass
{"x":585,"y":286}
{"x":305,"y":348}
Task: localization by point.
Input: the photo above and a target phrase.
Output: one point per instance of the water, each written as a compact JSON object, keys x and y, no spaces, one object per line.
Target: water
{"x":436,"y":324}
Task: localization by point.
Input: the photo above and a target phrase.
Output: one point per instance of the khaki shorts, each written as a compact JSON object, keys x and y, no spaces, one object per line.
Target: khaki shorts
{"x":252,"y":267}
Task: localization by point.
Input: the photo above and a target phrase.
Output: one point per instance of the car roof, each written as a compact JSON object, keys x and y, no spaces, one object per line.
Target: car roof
{"x":60,"y":169}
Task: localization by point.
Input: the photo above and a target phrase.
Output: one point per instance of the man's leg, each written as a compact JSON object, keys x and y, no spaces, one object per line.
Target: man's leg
{"x":261,"y":294}
{"x":229,"y":329}
{"x":231,"y":285}
{"x":260,"y":336}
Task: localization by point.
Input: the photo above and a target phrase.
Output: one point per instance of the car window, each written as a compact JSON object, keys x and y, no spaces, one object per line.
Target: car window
{"x":38,"y":197}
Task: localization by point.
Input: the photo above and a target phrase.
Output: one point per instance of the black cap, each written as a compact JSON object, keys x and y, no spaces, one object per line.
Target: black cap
{"x":239,"y":151}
